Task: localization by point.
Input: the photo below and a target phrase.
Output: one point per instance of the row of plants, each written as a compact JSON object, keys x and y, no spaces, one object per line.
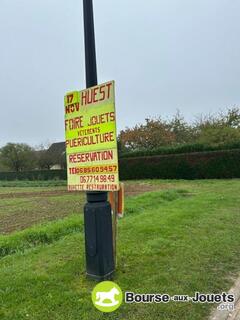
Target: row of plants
{"x":202,"y":165}
{"x":197,"y":165}
{"x":185,"y":148}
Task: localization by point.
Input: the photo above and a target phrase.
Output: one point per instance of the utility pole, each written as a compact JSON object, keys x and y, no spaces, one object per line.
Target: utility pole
{"x":97,"y":210}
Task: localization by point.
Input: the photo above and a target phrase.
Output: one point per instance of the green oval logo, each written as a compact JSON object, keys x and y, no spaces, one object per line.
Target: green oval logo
{"x":107,"y":296}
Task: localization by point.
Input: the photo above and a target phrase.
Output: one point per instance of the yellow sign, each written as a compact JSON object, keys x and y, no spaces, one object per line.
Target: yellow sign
{"x":91,"y":142}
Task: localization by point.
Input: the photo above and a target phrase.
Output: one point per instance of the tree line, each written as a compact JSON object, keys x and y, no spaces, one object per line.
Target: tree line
{"x":211,"y":130}
{"x":22,"y":157}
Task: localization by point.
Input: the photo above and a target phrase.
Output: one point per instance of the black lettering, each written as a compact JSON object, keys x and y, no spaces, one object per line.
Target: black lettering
{"x":129,"y":297}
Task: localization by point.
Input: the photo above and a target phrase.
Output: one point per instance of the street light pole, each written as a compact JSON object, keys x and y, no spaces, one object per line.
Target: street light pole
{"x":89,"y":37}
{"x":97,"y":210}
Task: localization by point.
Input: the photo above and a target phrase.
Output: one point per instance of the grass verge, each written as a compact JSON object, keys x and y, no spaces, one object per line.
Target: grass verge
{"x":173,"y":242}
{"x":38,"y":235}
{"x":50,"y":232}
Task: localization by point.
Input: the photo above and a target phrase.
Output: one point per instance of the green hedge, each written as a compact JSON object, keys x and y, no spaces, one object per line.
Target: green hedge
{"x":184,"y":148}
{"x":202,"y":165}
{"x":34,"y":175}
{"x":198,"y":165}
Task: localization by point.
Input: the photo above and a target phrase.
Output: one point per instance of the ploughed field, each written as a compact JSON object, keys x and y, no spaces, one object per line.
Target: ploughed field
{"x":177,"y":238}
{"x":35,"y":202}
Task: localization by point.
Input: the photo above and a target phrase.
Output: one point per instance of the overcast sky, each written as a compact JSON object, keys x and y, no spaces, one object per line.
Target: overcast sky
{"x":163,"y":54}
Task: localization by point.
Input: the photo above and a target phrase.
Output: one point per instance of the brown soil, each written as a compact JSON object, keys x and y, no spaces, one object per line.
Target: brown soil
{"x":130,"y":189}
{"x":12,"y":195}
{"x":44,"y":208}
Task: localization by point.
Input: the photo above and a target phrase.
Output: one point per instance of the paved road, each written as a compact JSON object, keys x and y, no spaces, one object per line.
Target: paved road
{"x":226,"y":315}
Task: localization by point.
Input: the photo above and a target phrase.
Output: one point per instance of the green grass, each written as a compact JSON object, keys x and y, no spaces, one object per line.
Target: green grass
{"x":175,"y":241}
{"x":37,"y":235}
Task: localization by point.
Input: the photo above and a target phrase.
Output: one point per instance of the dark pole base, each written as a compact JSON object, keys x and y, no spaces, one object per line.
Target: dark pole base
{"x":98,"y":237}
{"x":108,"y":276}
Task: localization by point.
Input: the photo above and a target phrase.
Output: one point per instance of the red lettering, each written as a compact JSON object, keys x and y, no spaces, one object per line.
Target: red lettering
{"x":112,"y":116}
{"x":102,"y":92}
{"x":69,"y":98}
{"x":108,"y":85}
{"x":87,"y":156}
{"x":84,"y":97}
{"x":94,"y":94}
{"x":72,"y":107}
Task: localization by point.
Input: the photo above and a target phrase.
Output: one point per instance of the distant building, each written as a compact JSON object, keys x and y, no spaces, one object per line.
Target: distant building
{"x":57,"y":155}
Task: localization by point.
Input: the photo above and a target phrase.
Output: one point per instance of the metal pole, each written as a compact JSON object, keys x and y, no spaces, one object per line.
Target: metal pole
{"x":90,"y":51}
{"x":97,"y":210}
